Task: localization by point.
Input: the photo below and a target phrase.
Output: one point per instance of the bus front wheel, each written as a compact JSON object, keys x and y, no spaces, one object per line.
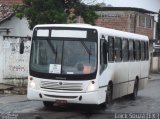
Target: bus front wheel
{"x":108,"y":97}
{"x":48,"y":104}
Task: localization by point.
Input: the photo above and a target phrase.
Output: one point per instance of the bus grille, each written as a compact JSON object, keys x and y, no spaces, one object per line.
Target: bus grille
{"x":61,"y":86}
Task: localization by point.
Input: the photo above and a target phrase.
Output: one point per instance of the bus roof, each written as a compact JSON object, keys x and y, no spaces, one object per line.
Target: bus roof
{"x":101,"y":30}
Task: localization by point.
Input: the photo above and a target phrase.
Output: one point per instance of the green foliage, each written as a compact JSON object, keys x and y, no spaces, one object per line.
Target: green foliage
{"x":88,"y":13}
{"x":41,"y":11}
{"x":85,"y":11}
{"x":54,"y":11}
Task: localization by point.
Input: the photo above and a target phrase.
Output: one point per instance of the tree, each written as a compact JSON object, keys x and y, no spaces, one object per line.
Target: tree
{"x":55,"y":11}
{"x":41,"y":11}
{"x":87,"y":12}
{"x":158,"y":26}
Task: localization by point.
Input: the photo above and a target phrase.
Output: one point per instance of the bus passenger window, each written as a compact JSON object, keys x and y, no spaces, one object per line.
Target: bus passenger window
{"x":137,"y":50}
{"x":131,"y":55}
{"x":110,"y":48}
{"x":142,"y":50}
{"x":125,"y":51}
{"x":118,"y":49}
{"x":147,"y":50}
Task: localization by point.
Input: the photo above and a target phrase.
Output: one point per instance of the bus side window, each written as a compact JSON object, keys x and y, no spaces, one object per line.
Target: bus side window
{"x":103,"y":60}
{"x":118,"y":49}
{"x":131,"y":55}
{"x":137,"y":50}
{"x":147,"y":51}
{"x":125,"y":50}
{"x":142,"y":50}
{"x":110,"y":48}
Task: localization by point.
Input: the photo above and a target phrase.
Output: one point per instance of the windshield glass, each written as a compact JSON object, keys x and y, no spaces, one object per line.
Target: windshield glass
{"x":63,"y":56}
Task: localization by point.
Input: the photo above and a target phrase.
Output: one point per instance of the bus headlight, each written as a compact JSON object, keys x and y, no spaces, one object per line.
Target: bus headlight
{"x":33,"y":84}
{"x":91,"y":87}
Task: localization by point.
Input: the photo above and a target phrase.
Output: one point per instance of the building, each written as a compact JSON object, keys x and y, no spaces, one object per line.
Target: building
{"x":12,"y":32}
{"x":10,"y":2}
{"x":135,"y":20}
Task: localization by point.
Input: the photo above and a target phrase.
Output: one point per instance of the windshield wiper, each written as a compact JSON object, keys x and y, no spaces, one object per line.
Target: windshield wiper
{"x":87,"y":49}
{"x":53,"y":49}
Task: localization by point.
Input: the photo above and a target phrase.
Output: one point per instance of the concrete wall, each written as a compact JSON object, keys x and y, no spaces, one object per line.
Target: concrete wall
{"x":13,"y":64}
{"x":154,"y":64}
{"x":1,"y":58}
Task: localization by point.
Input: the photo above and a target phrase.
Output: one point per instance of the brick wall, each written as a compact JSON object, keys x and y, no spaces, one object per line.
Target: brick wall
{"x":11,"y":2}
{"x":117,"y":22}
{"x":145,"y":31}
{"x":126,"y":21}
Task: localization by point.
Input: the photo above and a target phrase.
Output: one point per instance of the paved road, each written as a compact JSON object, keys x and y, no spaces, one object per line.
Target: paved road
{"x":148,"y":102}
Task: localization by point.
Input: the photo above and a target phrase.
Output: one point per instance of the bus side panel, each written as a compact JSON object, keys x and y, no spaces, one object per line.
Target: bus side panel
{"x":120,"y":87}
{"x":144,"y":74}
{"x":122,"y":78}
{"x":104,"y":78}
{"x":134,"y":70}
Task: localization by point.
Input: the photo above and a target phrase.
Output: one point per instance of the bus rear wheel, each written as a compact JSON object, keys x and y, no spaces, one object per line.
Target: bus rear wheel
{"x":108,"y":100}
{"x":48,"y":104}
{"x":135,"y":90}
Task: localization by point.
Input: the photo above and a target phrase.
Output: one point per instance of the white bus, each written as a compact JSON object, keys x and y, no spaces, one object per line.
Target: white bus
{"x":84,"y":64}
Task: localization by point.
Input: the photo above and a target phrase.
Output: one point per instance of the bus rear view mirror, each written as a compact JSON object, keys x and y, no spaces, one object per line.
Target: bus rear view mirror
{"x":21,"y":47}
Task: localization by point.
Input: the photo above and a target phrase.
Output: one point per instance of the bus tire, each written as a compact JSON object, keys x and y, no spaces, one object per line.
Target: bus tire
{"x":108,"y":100}
{"x":48,"y":104}
{"x":135,"y":90}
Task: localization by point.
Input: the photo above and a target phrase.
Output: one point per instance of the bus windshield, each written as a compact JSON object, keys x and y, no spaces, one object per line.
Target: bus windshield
{"x":63,"y":56}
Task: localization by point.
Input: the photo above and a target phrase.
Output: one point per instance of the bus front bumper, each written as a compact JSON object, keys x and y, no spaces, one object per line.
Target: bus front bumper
{"x":71,"y":97}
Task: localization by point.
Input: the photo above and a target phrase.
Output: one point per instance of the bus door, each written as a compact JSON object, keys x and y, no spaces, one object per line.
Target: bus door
{"x":103,"y":65}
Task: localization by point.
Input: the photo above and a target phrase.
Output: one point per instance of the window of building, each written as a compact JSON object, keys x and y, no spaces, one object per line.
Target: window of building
{"x":125,"y":50}
{"x":131,"y":48}
{"x":137,"y":23}
{"x":118,"y":49}
{"x":145,"y":22}
{"x":141,"y":21}
{"x":111,"y":48}
{"x":149,"y":23}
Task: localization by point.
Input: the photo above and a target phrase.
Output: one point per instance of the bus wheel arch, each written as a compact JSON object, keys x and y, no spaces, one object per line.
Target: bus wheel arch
{"x":135,"y":89}
{"x":110,"y":87}
{"x":108,"y":98}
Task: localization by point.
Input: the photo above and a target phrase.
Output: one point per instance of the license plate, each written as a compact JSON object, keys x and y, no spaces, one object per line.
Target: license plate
{"x":61,"y":101}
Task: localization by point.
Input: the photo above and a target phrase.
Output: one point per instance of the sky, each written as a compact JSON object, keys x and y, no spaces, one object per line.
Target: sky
{"x":152,"y":5}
